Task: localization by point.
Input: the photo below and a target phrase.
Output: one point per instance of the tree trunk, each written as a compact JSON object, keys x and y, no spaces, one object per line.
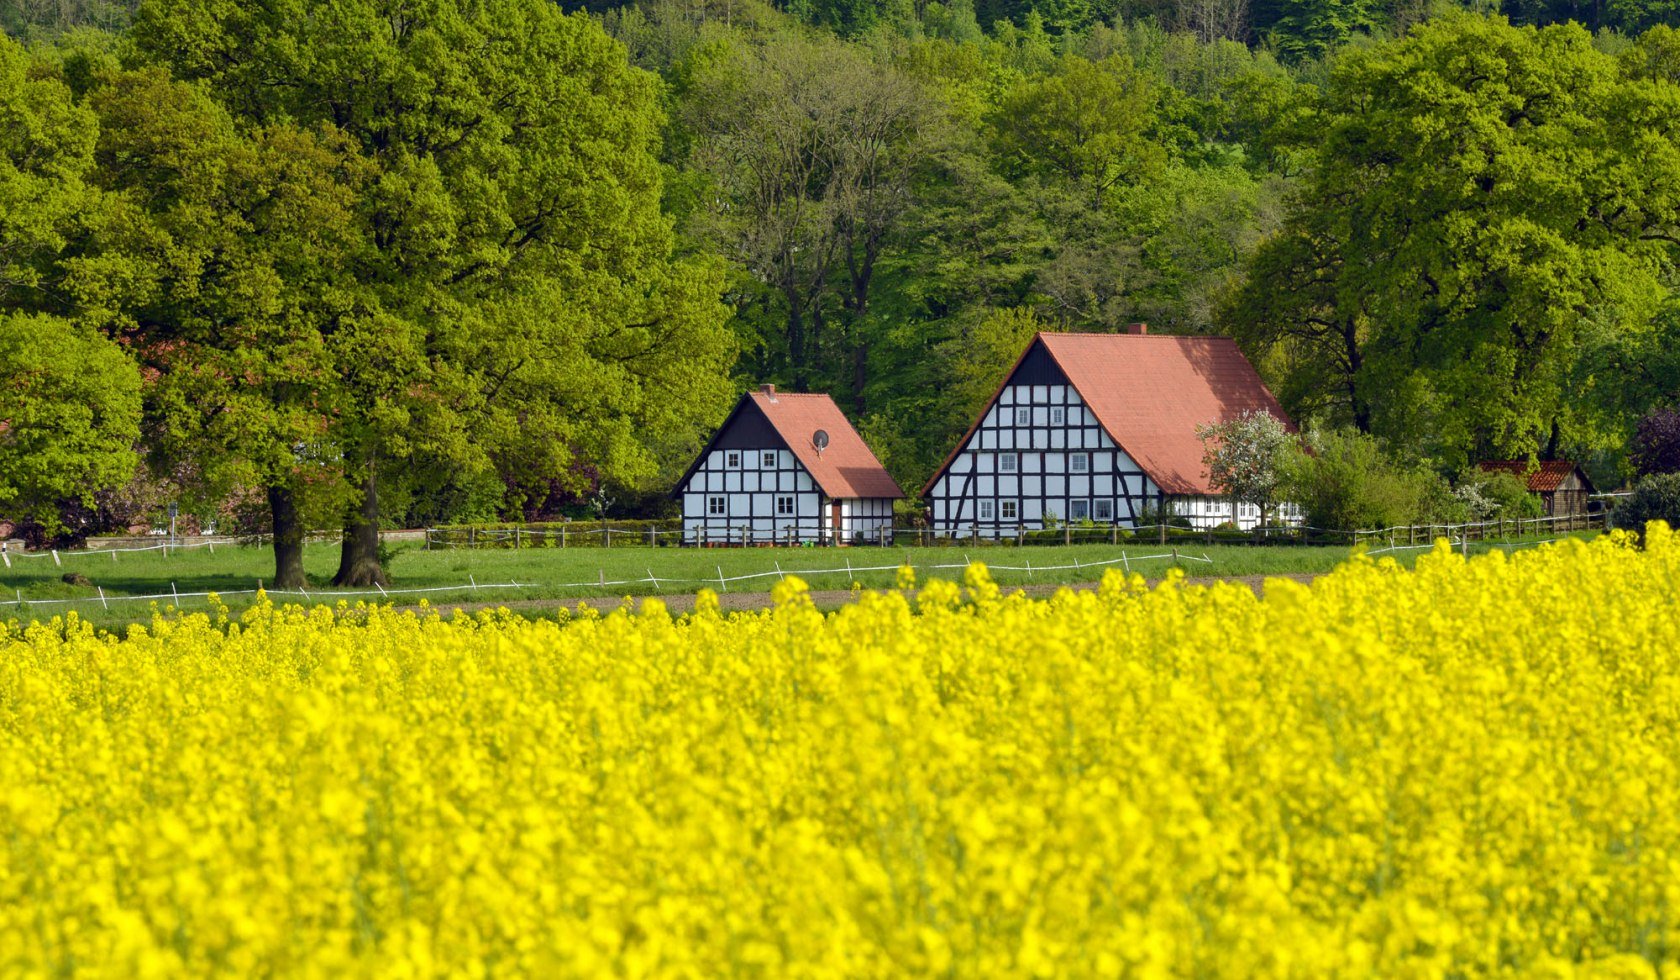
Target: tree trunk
{"x":860,"y":375}
{"x":1355,"y":359}
{"x":796,"y":338}
{"x":358,"y":561}
{"x":288,"y":539}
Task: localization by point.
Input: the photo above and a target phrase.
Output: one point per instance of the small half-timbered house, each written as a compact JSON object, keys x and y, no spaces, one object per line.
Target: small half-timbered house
{"x":1099,"y":428}
{"x":788,"y":469}
{"x":1561,"y":485}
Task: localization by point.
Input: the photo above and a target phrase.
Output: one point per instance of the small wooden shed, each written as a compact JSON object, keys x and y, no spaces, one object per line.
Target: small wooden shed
{"x":1561,"y":484}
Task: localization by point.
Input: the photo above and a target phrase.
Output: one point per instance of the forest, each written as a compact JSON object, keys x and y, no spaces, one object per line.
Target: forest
{"x":301,"y":265}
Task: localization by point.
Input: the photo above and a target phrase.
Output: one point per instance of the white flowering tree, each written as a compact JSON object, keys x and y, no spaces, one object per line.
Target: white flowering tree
{"x":1245,"y":458}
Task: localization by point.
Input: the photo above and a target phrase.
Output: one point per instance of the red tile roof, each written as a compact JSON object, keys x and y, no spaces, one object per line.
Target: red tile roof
{"x":1149,"y":392}
{"x":846,"y":468}
{"x":1546,"y":479}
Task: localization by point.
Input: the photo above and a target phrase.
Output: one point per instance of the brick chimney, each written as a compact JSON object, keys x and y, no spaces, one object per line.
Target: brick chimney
{"x":1137,"y":329}
{"x":769,"y":391}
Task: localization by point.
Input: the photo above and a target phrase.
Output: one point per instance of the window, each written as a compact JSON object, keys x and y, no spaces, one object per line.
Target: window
{"x":1008,"y":462}
{"x":732,"y":460}
{"x":1079,"y":463}
{"x":1102,"y":510}
{"x":784,"y":506}
{"x":769,"y":460}
{"x":1023,"y":416}
{"x":988,"y":510}
{"x":1010,"y":511}
{"x":716,"y":506}
{"x":1079,"y":510}
{"x":1058,"y":416}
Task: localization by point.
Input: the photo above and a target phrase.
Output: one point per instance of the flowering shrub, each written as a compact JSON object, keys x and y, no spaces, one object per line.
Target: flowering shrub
{"x":1473,"y":768}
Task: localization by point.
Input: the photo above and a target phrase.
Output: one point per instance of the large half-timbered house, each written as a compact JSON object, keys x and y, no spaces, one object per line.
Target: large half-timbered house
{"x":786,"y":468}
{"x":1099,"y":428}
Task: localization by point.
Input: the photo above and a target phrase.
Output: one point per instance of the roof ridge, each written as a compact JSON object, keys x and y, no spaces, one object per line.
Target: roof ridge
{"x":1143,"y":336}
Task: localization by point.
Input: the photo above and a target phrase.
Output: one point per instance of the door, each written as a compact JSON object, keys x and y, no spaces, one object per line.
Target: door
{"x":836,"y":529}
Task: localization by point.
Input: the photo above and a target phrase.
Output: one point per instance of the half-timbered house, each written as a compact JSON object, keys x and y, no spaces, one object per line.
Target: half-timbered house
{"x":1099,"y":428}
{"x":786,"y":468}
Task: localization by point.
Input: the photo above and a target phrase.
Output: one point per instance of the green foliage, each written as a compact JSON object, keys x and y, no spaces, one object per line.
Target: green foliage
{"x":809,"y":152}
{"x":69,"y":398}
{"x":1089,"y":123}
{"x":463,"y":259}
{"x":1300,"y":30}
{"x":35,"y":19}
{"x":1654,"y":498}
{"x":229,"y":263}
{"x":69,"y":416}
{"x":46,"y":152}
{"x":516,"y":304}
{"x":1345,"y":481}
{"x":1497,"y":496}
{"x":1484,"y":199}
{"x":981,"y":357}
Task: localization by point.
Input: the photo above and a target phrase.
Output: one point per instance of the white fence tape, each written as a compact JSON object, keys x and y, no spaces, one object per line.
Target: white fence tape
{"x":721,"y":581}
{"x":603,"y":583}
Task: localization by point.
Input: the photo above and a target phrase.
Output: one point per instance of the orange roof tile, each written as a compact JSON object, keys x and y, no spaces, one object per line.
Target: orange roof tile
{"x":1149,"y":392}
{"x":1546,"y":479}
{"x":847,"y":467}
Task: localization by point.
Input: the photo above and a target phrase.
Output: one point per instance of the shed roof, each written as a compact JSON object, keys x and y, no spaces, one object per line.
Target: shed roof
{"x":1547,"y":477}
{"x":1149,"y":392}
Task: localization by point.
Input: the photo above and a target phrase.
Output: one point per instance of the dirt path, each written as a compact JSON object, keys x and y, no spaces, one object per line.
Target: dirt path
{"x":822,"y":598}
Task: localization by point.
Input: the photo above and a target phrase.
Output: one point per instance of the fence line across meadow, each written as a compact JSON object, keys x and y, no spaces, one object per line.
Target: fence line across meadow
{"x":602,"y":582}
{"x":1459,"y":533}
{"x":721,"y":581}
{"x":995,"y":533}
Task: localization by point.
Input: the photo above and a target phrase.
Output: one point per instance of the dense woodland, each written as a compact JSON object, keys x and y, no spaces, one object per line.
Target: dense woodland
{"x":302,"y":264}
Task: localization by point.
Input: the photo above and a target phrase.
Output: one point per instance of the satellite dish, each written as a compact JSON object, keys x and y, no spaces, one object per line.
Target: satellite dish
{"x":819,"y":439}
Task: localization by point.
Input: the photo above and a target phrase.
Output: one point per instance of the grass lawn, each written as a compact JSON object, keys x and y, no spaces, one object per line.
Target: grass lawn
{"x":574,"y":573}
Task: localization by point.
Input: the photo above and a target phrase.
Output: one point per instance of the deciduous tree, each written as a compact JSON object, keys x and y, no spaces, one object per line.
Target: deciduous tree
{"x":228,"y":265}
{"x":69,"y":415}
{"x":513,"y":229}
{"x":1482,"y":194}
{"x":1246,"y":458}
{"x":69,"y":398}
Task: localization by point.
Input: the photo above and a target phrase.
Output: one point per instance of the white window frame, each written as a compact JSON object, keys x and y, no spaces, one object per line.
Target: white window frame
{"x":732,"y":459}
{"x":1058,"y":416}
{"x":1023,"y":415}
{"x":1074,"y":507}
{"x":988,"y":510}
{"x":717,"y":505}
{"x":1009,"y":462}
{"x":1098,"y":507}
{"x":1011,"y":510}
{"x":768,"y":459}
{"x":784,"y":505}
{"x":1079,"y":462}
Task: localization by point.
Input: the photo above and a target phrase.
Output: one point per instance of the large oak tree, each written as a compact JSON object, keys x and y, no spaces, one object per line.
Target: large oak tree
{"x":523,"y":301}
{"x":1487,"y":205}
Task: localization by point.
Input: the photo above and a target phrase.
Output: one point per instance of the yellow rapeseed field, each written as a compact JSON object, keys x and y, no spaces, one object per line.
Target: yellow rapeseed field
{"x":1470,"y":769}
